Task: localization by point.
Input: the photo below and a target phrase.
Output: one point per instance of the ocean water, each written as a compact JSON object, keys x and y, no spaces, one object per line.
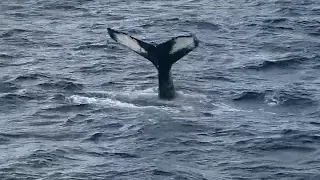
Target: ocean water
{"x":76,"y":105}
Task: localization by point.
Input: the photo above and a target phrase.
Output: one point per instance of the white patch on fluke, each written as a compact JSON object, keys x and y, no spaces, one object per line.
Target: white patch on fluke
{"x":129,"y":42}
{"x":183,"y":43}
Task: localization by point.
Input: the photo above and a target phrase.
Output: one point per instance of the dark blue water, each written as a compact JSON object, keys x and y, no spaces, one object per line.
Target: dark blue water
{"x":76,"y":105}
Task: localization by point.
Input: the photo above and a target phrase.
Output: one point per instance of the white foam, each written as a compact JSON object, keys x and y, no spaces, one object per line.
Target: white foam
{"x":101,"y":101}
{"x":224,"y":108}
{"x":146,"y":93}
{"x":193,"y":95}
{"x":129,"y":92}
{"x":142,"y":99}
{"x":149,"y":93}
{"x":272,"y":99}
{"x":114,"y":103}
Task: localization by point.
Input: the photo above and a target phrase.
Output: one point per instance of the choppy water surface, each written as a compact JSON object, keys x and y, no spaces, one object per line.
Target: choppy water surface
{"x":75,"y":105}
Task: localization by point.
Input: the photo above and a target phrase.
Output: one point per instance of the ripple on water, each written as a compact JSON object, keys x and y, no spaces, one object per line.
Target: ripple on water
{"x":289,"y":141}
{"x":61,"y":85}
{"x":13,"y":32}
{"x":30,"y":76}
{"x":7,"y":87}
{"x":68,"y":108}
{"x":282,"y":97}
{"x":290,"y":62}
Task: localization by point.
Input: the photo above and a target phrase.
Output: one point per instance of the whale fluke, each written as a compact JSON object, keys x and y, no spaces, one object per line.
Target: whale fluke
{"x":162,"y":56}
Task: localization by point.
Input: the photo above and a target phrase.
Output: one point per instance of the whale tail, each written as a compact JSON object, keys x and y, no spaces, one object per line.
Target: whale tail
{"x":162,"y":55}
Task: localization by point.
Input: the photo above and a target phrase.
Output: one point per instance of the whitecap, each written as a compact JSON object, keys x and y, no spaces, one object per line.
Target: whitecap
{"x":100,"y":101}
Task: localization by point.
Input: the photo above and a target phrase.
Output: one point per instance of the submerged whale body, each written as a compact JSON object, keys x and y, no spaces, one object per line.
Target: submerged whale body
{"x":162,"y":56}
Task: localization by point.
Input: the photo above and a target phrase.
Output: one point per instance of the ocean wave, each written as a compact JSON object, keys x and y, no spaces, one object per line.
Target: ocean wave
{"x":250,"y":96}
{"x":12,"y":6}
{"x":4,"y":139}
{"x":12,"y":135}
{"x":159,"y":21}
{"x":6,"y":56}
{"x":317,"y":124}
{"x":178,"y":173}
{"x":14,"y":99}
{"x":124,"y":155}
{"x":310,"y":26}
{"x":66,"y":6}
{"x":7,"y":87}
{"x":13,"y":32}
{"x":204,"y":25}
{"x":288,"y":11}
{"x":315,"y":9}
{"x":21,"y":41}
{"x":43,"y":115}
{"x":158,"y":172}
{"x":289,"y":140}
{"x":61,"y":85}
{"x":315,"y":32}
{"x":221,"y":108}
{"x":67,"y":108}
{"x":78,"y":118}
{"x":195,"y":143}
{"x":91,"y":46}
{"x":20,"y":62}
{"x":94,"y":137}
{"x":275,"y":20}
{"x":292,"y":62}
{"x":56,"y":134}
{"x":113,"y":17}
{"x":30,"y":76}
{"x":43,"y":158}
{"x":214,"y":74}
{"x":47,"y":122}
{"x":272,"y":97}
